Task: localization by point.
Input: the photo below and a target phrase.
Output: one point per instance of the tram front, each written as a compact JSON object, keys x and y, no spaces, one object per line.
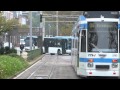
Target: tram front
{"x":102,"y":47}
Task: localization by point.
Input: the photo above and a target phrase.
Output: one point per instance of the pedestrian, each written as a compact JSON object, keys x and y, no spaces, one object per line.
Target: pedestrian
{"x":21,"y":47}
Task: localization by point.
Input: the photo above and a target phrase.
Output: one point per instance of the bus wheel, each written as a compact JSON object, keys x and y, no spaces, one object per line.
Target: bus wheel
{"x":58,"y":52}
{"x":51,"y":54}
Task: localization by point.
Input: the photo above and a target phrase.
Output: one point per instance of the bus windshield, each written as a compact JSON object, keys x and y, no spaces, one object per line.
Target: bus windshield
{"x":52,"y":42}
{"x":63,"y":42}
{"x":27,"y":41}
{"x":103,"y":37}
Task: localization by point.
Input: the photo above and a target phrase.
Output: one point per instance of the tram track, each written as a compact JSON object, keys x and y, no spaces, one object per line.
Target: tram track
{"x":43,"y":65}
{"x":50,"y":67}
{"x":37,"y":69}
{"x":53,"y":68}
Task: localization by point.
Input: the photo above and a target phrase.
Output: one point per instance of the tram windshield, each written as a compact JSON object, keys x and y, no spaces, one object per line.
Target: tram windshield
{"x":103,"y":37}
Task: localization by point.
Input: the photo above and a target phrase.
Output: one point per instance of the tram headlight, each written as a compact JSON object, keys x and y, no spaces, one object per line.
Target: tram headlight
{"x":114,"y":65}
{"x":114,"y":61}
{"x":90,"y":60}
{"x":90,"y":64}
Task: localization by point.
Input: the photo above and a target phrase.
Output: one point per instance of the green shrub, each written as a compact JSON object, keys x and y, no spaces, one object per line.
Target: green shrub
{"x":10,"y":66}
{"x":7,"y":50}
{"x":13,"y":50}
{"x":2,"y":50}
{"x":33,"y":54}
{"x":13,"y":55}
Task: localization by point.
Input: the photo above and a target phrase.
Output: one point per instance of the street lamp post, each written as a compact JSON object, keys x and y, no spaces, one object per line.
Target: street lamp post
{"x":9,"y":37}
{"x":49,"y":29}
{"x":41,"y":27}
{"x":43,"y":33}
{"x":5,"y":36}
{"x":30,"y":30}
{"x":57,"y":23}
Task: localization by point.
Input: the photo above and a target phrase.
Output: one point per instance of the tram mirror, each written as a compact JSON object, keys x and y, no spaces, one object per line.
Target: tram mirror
{"x":86,"y":14}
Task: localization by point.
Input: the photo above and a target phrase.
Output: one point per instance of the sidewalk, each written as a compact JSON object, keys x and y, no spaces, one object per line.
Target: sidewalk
{"x":24,"y":54}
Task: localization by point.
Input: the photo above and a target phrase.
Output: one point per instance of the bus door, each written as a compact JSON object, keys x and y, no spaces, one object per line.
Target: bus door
{"x":64,"y":46}
{"x":69,"y":42}
{"x":46,"y":43}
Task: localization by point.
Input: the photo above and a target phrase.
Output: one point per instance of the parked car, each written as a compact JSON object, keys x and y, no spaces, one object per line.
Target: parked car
{"x":6,"y":44}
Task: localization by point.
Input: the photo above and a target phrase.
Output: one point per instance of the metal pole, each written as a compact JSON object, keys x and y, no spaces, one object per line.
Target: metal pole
{"x":30,"y":30}
{"x":5,"y":36}
{"x":49,"y":30}
{"x":41,"y":22}
{"x":9,"y":39}
{"x":43,"y":34}
{"x":41,"y":27}
{"x":57,"y":22}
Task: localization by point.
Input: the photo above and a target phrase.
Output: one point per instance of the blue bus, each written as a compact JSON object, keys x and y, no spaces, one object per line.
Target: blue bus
{"x":34,"y":43}
{"x":57,"y":45}
{"x":68,"y":41}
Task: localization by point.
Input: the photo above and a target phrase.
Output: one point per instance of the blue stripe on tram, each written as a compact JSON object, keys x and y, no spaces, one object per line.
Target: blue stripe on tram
{"x":105,"y":60}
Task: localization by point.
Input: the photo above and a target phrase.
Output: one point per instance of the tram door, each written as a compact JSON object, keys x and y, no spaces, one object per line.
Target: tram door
{"x":119,"y":53}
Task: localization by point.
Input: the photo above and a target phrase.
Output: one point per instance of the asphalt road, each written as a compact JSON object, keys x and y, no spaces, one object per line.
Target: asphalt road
{"x":50,"y":67}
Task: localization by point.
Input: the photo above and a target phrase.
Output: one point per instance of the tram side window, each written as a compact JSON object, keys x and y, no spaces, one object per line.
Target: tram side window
{"x":83,"y":41}
{"x":79,"y":38}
